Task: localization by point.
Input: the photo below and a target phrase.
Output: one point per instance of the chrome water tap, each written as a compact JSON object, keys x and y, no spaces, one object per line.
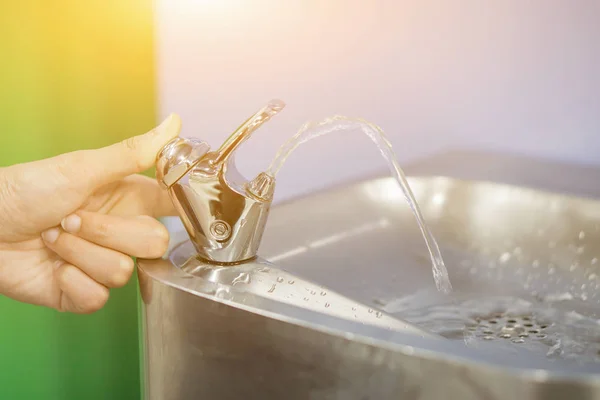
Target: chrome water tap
{"x":225,"y":217}
{"x":223,"y":214}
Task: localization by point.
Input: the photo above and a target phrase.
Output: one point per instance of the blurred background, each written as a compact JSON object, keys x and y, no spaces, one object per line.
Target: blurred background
{"x":512,"y":77}
{"x":504,"y":76}
{"x":73,"y":74}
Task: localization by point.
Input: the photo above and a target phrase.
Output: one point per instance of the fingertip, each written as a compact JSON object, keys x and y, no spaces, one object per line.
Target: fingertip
{"x":170,"y":127}
{"x":159,"y":231}
{"x":155,"y":237}
{"x":51,"y":235}
{"x":132,"y":155}
{"x":71,"y":223}
{"x":161,"y":237}
{"x":122,"y":273}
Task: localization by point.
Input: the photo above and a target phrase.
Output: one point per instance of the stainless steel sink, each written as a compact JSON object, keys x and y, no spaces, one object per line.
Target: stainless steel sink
{"x":499,"y":242}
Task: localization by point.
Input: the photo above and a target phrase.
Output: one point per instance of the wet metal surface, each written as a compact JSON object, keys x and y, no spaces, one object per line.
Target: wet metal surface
{"x":362,"y":242}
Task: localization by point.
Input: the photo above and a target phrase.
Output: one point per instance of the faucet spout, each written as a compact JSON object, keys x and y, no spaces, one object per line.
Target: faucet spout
{"x":247,"y":128}
{"x":224,"y":218}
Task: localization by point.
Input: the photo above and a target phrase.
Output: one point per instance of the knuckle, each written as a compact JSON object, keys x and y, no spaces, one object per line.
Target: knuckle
{"x":67,"y":165}
{"x":103,"y":229}
{"x":63,"y":170}
{"x":62,"y":272}
{"x":130,"y":143}
{"x":95,"y":301}
{"x":133,"y":145}
{"x":76,"y":300}
{"x":12,"y":207}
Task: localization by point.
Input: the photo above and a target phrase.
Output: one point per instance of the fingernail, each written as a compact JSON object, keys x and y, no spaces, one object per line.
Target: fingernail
{"x":71,"y":223}
{"x":165,"y":122}
{"x":51,"y":235}
{"x":169,"y":127}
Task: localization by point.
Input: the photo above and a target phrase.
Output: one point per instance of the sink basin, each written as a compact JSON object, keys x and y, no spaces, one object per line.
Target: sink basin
{"x":522,"y":321}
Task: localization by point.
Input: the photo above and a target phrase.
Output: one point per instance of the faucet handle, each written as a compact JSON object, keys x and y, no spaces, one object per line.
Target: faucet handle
{"x":178,"y":157}
{"x":243,"y":132}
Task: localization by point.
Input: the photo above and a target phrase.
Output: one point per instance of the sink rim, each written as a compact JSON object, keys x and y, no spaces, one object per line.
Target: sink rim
{"x":394,"y":341}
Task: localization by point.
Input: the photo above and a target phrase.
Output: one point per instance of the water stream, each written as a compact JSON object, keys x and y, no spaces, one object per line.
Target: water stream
{"x":513,"y":325}
{"x":312,"y":130}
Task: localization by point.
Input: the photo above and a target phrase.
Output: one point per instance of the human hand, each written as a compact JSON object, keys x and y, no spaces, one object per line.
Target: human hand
{"x":69,"y":224}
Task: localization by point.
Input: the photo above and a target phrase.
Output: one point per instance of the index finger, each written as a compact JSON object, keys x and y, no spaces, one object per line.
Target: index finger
{"x":139,"y":236}
{"x":108,"y":164}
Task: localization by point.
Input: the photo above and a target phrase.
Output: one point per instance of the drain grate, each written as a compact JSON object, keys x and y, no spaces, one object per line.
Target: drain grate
{"x":516,"y":328}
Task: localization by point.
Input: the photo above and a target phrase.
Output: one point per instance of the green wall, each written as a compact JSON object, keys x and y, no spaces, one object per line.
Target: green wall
{"x":73,"y":74}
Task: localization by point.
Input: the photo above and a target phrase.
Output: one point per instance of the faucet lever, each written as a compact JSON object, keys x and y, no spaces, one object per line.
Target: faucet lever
{"x":243,"y":132}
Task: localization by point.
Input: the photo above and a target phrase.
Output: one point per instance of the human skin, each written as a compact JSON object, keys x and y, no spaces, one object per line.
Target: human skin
{"x":70,"y":224}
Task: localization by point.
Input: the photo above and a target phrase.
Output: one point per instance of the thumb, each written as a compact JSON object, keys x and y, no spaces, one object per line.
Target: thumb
{"x":133,"y":155}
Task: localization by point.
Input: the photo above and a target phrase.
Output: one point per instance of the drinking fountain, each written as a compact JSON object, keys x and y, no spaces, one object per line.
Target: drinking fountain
{"x":333,"y":307}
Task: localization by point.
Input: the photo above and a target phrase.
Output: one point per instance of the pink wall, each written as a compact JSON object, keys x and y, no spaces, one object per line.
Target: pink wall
{"x":513,"y":75}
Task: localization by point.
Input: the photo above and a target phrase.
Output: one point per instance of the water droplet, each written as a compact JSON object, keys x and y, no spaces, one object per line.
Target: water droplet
{"x":573,"y":266}
{"x":551,"y":271}
{"x":222,"y":293}
{"x":519,"y":340}
{"x":241,"y":278}
{"x":313,"y":292}
{"x":272,"y":289}
{"x":535,"y":263}
{"x":306,"y":299}
{"x":291,"y":282}
{"x":504,"y":257}
{"x":581,"y":235}
{"x":326,"y":305}
{"x":488,"y":338}
{"x":280,"y":279}
{"x":505,"y":335}
{"x":353,"y":308}
{"x":378,"y":314}
{"x":594,"y":260}
{"x":370,"y":311}
{"x":592,"y":276}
